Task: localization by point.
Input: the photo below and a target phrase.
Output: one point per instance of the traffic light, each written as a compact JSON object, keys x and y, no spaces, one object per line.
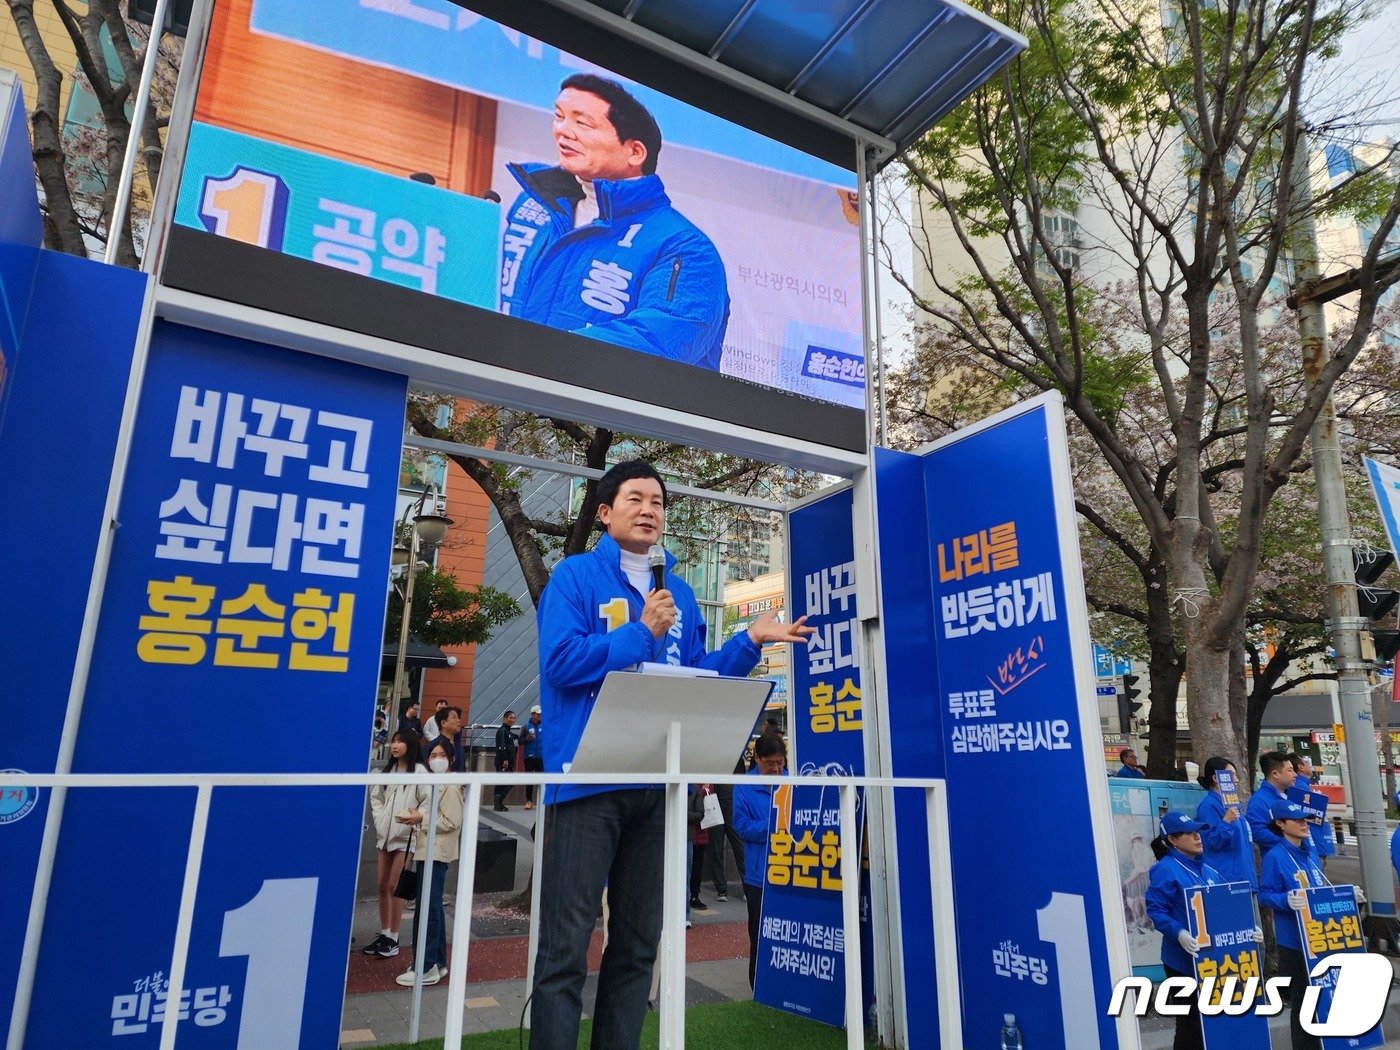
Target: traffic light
{"x":1128,"y":702}
{"x":1376,"y":603}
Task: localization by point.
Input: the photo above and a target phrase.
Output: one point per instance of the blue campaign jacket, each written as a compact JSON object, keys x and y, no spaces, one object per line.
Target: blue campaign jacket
{"x":1128,"y":772}
{"x":641,"y":275}
{"x":586,"y":594}
{"x":1167,"y":882}
{"x":1287,"y":867}
{"x":1257,"y":813}
{"x":752,"y":805}
{"x":1229,"y":847}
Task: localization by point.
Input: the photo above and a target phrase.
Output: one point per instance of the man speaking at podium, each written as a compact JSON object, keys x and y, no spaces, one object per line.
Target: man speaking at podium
{"x":601,"y":612}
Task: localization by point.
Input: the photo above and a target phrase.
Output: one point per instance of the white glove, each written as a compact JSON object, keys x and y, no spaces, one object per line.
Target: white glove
{"x":1188,"y":943}
{"x":1257,"y":934}
{"x":1297,"y":900}
{"x":1360,"y":894}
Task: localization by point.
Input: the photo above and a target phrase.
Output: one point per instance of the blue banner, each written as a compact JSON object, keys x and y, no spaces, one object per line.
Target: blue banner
{"x":85,"y":353}
{"x":1223,"y":919}
{"x":827,"y":721}
{"x":906,"y":600}
{"x":1013,"y":663}
{"x":342,"y":215}
{"x":240,"y":631}
{"x":801,"y":946}
{"x":1331,"y":925}
{"x":801,"y":940}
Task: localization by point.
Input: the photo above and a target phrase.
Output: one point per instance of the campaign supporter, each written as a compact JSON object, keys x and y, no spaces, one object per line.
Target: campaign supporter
{"x":1228,"y":846}
{"x":1288,"y":869}
{"x":752,"y":805}
{"x":1129,"y":768}
{"x":1324,"y":841}
{"x":600,"y":613}
{"x":593,"y":245}
{"x":431,"y":879}
{"x":1278,"y":778}
{"x":393,"y":838}
{"x":532,"y":742}
{"x":1180,"y":868}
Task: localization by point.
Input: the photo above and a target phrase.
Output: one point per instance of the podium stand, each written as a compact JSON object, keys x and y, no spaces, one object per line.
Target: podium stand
{"x":672,"y":722}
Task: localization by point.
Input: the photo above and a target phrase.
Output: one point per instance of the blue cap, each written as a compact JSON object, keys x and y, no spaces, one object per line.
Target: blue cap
{"x":1285,"y":810}
{"x":1175,"y":823}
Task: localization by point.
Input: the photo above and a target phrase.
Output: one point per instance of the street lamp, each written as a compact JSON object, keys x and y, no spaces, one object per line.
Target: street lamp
{"x":428,"y":530}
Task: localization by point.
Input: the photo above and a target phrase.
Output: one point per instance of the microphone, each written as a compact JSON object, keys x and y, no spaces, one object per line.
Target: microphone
{"x":656,"y":558}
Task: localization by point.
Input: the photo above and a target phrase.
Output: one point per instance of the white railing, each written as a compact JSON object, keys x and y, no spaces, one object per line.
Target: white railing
{"x":674,"y":890}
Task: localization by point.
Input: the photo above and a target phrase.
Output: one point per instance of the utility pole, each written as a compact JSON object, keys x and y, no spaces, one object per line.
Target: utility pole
{"x":1345,"y":622}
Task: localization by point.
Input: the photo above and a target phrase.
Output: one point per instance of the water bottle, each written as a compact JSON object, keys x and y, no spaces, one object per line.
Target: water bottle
{"x":1011,"y":1033}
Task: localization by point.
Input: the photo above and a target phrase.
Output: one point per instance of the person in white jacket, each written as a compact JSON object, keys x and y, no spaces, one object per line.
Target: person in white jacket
{"x":392,"y":837}
{"x":432,"y":879}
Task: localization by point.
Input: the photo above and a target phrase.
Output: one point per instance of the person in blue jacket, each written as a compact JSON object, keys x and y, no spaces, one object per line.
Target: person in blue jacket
{"x":1288,"y":869}
{"x":1130,"y":768}
{"x":1180,"y":868}
{"x":1278,"y":778}
{"x":1324,"y":841}
{"x":1229,"y":849}
{"x":600,"y":613}
{"x":593,"y":244}
{"x":752,"y":806}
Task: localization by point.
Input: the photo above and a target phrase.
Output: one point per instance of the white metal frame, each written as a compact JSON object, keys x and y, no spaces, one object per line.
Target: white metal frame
{"x":673,"y":935}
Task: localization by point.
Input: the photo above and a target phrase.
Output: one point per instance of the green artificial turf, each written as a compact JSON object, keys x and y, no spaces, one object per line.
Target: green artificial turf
{"x":718,"y":1026}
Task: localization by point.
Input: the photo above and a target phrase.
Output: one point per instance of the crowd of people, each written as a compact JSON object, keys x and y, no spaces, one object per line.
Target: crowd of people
{"x":1272,"y":845}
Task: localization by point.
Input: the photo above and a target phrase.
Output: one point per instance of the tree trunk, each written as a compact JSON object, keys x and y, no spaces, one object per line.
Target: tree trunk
{"x":1164,"y":668}
{"x":1208,"y":692}
{"x":62,"y":231}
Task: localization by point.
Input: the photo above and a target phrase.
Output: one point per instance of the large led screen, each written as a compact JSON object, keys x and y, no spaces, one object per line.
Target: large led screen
{"x":418,"y":143}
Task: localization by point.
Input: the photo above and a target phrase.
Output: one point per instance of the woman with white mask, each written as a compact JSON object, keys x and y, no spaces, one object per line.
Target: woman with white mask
{"x":432,"y":877}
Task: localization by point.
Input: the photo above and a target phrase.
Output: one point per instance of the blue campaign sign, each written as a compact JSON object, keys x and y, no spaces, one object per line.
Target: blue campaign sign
{"x":1229,"y":790}
{"x":1331,"y":925}
{"x":1223,"y":919}
{"x":341,"y":215}
{"x":801,"y":956}
{"x":801,"y":941}
{"x":827,"y":722}
{"x":86,"y":354}
{"x":439,"y":41}
{"x":240,"y":630}
{"x":1017,"y":728}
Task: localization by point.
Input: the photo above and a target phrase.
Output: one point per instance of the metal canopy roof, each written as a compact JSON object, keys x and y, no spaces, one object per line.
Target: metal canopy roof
{"x":881,"y":71}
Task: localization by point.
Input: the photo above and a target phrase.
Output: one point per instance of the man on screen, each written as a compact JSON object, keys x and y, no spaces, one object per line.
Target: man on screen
{"x":593,"y":244}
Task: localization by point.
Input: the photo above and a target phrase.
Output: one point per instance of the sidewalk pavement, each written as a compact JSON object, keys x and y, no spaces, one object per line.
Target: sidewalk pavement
{"x":377,"y":1010}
